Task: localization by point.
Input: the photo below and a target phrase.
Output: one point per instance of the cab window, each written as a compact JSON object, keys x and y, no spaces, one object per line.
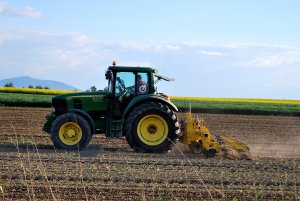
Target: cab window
{"x":142,"y":83}
{"x":125,"y":83}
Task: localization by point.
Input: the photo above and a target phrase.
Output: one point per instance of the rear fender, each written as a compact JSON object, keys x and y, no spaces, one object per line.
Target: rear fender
{"x":147,"y":98}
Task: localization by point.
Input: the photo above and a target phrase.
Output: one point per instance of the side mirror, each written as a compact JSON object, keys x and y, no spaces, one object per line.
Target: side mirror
{"x":108,"y":74}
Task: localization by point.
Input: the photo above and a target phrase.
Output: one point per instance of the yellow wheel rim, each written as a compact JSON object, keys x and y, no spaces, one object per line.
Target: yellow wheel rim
{"x":70,"y":133}
{"x":152,"y":130}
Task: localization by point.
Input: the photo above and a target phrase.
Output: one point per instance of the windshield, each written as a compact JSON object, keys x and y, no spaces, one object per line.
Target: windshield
{"x":132,"y":83}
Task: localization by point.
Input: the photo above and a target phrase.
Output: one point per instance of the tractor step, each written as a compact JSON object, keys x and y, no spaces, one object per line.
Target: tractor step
{"x":115,"y":128}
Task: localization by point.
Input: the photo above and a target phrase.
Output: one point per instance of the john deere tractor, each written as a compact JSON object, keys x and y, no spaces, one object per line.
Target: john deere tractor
{"x":130,"y":107}
{"x":133,"y":108}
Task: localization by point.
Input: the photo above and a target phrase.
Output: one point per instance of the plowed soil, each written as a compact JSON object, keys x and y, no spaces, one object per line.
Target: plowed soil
{"x":31,"y":169}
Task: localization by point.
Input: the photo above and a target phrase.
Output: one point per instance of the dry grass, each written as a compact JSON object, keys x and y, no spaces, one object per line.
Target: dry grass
{"x":34,"y":170}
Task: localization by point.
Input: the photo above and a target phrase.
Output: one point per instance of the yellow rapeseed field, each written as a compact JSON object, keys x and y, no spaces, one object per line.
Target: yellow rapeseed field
{"x":34,"y":91}
{"x":245,"y":100}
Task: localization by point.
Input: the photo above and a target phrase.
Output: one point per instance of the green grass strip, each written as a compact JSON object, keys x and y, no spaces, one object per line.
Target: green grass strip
{"x":25,"y":100}
{"x":236,"y":100}
{"x":225,"y":107}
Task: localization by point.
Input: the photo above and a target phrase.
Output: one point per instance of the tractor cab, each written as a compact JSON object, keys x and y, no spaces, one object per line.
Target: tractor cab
{"x":127,"y":88}
{"x":129,"y":81}
{"x":125,"y":84}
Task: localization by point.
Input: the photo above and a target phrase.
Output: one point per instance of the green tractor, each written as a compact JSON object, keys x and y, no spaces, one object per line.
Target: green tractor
{"x":130,"y":107}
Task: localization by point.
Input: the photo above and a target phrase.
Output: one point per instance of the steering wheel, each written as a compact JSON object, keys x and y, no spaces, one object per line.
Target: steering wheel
{"x":121,"y":85}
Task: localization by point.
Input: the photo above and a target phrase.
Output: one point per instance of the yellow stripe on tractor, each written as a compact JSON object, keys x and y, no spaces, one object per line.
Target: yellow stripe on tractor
{"x":200,"y":140}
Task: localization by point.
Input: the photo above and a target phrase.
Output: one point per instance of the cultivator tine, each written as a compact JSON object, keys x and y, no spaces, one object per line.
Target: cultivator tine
{"x":233,"y":148}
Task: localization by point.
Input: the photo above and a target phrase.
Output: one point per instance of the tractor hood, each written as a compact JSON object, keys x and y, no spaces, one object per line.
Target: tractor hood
{"x":87,"y":101}
{"x":79,"y":94}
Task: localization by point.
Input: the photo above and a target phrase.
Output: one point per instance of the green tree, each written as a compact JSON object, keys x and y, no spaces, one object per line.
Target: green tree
{"x":39,"y":87}
{"x":30,"y":86}
{"x":93,"y":88}
{"x":10,"y":84}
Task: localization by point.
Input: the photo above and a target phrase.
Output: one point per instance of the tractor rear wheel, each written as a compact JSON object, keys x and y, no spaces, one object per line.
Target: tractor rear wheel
{"x":70,"y":131}
{"x":152,"y":127}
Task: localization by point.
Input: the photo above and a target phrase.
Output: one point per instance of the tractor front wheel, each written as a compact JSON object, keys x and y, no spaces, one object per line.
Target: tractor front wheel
{"x":70,"y":131}
{"x":151,"y":127}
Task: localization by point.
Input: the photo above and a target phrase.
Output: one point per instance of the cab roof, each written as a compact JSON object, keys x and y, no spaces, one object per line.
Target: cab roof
{"x":132,"y":69}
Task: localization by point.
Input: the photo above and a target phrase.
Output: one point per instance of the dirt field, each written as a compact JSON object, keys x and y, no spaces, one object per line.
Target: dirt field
{"x":31,"y":169}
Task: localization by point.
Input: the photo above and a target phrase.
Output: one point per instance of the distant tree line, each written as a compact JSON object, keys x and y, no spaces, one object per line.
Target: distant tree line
{"x":94,"y":89}
{"x":10,"y":84}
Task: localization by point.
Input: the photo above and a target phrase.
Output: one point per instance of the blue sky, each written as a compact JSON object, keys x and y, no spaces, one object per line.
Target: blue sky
{"x":212,"y":48}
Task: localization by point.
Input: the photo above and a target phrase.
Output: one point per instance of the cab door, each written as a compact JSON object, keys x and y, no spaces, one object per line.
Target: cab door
{"x":124,"y":91}
{"x":123,"y":87}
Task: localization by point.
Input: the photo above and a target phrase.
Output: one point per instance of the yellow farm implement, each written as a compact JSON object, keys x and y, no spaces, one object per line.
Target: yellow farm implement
{"x":200,"y":140}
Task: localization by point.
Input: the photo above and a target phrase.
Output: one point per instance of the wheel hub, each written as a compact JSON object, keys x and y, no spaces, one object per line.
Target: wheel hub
{"x":71,"y":133}
{"x":152,"y":129}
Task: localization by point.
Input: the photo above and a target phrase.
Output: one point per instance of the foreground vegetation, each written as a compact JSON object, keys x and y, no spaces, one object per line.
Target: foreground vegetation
{"x":42,"y":98}
{"x":31,"y":169}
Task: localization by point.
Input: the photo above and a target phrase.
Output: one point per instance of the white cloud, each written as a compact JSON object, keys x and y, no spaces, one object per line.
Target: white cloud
{"x":151,"y":46}
{"x":80,"y":60}
{"x":285,"y":59}
{"x":269,"y":61}
{"x":67,"y":56}
{"x":2,"y":7}
{"x":210,"y":53}
{"x":291,"y":83}
{"x":26,"y":11}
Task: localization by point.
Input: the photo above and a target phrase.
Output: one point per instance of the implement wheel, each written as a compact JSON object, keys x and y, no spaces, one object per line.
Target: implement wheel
{"x":151,"y":127}
{"x":70,"y":132}
{"x":210,"y":153}
{"x":196,"y":147}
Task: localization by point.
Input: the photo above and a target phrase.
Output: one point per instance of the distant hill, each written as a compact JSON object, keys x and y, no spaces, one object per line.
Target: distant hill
{"x":25,"y":81}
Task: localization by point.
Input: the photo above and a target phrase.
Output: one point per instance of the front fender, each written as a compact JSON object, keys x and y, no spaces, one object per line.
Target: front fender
{"x":49,"y":120}
{"x":51,"y":117}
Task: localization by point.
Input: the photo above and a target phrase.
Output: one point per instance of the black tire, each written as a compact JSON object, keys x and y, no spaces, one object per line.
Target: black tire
{"x":152,"y":110}
{"x":60,"y":140}
{"x":210,"y":153}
